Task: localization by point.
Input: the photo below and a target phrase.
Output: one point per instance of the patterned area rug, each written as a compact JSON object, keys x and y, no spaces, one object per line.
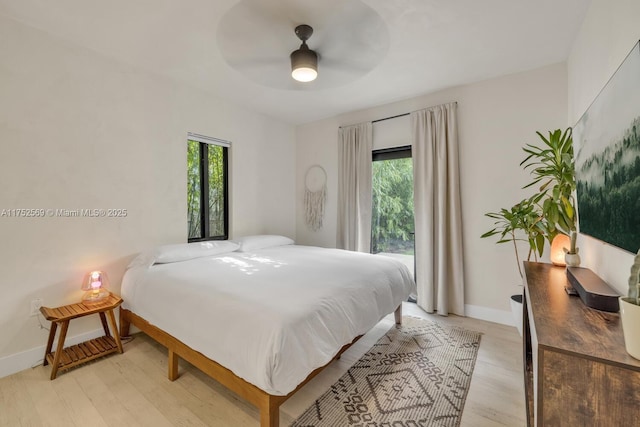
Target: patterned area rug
{"x":415,"y":375}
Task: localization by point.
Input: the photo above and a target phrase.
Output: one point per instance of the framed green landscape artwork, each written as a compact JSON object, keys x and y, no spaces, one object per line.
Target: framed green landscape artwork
{"x":607,"y":158}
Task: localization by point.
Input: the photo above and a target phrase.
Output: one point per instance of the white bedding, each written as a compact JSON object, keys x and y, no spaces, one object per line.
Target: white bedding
{"x":271,"y":316}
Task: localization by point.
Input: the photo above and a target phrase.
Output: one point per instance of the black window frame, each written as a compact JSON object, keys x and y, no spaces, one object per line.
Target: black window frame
{"x":393,"y":153}
{"x":204,"y":186}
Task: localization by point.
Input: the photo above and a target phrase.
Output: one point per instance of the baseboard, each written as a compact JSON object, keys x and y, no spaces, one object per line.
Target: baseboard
{"x":489,"y":314}
{"x":30,"y":358}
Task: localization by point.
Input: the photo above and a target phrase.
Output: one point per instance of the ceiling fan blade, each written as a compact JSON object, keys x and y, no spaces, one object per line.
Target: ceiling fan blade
{"x":256,"y":38}
{"x":343,"y":64}
{"x":260,"y":62}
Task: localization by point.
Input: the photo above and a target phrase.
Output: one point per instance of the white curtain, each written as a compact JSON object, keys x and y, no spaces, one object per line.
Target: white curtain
{"x":438,"y":220}
{"x":354,"y":187}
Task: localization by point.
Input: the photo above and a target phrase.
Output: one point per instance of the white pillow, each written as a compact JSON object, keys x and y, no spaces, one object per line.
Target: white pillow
{"x":144,"y":259}
{"x":253,"y":243}
{"x":186,"y":251}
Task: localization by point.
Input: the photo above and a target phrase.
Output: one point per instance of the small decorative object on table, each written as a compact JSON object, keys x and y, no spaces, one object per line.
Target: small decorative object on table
{"x":630,"y":311}
{"x":571,"y":257}
{"x":65,"y":358}
{"x":558,"y":248}
{"x":95,"y":284}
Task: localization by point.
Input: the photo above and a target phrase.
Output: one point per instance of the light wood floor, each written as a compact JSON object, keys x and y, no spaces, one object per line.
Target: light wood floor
{"x":132,"y":389}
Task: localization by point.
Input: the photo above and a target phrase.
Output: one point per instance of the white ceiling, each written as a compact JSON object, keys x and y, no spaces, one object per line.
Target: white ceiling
{"x":431,"y":44}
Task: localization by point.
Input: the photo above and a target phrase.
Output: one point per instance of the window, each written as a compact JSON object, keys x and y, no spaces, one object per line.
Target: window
{"x":392,"y":222}
{"x":207,"y":188}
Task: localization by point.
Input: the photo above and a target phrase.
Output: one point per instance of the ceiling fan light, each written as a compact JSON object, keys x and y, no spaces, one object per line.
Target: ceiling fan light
{"x":304,"y":64}
{"x":304,"y":74}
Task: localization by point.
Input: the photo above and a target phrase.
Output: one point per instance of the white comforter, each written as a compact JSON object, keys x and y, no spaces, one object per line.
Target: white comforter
{"x":271,"y":316}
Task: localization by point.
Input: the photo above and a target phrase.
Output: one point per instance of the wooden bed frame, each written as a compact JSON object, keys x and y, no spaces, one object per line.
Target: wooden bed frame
{"x":267,"y":404}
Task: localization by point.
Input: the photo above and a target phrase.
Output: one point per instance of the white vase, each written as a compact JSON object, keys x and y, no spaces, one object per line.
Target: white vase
{"x":572,"y":260}
{"x":630,"y":316}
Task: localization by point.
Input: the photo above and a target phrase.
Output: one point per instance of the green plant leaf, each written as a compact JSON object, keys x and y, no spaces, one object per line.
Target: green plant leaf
{"x":540,"y":243}
{"x":489,"y":233}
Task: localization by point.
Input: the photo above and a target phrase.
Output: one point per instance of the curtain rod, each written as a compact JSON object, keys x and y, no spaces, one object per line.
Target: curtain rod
{"x":404,"y":114}
{"x":389,"y":118}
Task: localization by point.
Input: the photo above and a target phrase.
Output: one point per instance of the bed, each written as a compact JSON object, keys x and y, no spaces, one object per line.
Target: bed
{"x":260,"y":315}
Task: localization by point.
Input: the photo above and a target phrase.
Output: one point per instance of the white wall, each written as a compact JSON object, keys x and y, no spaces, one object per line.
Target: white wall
{"x":496,"y":118}
{"x":79,"y":130}
{"x":609,"y":32}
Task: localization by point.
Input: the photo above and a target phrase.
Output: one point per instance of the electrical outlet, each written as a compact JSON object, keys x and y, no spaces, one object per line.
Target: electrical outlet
{"x":35,"y":306}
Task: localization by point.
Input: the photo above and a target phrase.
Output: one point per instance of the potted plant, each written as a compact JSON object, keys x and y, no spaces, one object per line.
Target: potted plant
{"x":630,"y":311}
{"x":520,"y":223}
{"x":548,"y":212}
{"x":553,"y":168}
{"x":571,"y":257}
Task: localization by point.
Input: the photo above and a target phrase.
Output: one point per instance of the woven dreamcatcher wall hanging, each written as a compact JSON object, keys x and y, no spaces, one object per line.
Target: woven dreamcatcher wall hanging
{"x":315,"y":196}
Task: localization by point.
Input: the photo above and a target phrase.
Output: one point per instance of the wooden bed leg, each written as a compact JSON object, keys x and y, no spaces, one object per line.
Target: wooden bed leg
{"x":173,"y":365}
{"x":270,"y":413}
{"x":125,"y":323}
{"x":398,"y":315}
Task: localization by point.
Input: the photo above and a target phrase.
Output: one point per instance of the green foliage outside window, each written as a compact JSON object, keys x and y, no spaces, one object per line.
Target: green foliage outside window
{"x":193,"y":189}
{"x":215,"y":188}
{"x":216,"y":191}
{"x":392,"y":222}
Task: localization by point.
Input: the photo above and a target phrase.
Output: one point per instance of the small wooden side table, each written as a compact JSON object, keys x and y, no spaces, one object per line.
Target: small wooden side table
{"x":66,"y":358}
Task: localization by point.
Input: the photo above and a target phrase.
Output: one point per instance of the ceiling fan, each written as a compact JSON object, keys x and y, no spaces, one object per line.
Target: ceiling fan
{"x":349,"y":40}
{"x":304,"y":61}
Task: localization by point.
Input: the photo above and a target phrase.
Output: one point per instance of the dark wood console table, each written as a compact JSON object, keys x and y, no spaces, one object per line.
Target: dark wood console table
{"x":577,"y":371}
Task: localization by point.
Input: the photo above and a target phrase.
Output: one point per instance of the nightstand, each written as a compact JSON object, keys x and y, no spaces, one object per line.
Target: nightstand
{"x":66,"y":358}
